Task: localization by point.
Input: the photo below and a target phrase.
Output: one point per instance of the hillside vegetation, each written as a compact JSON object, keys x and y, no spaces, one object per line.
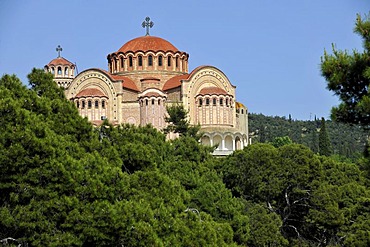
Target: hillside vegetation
{"x":346,"y":140}
{"x":65,"y":183}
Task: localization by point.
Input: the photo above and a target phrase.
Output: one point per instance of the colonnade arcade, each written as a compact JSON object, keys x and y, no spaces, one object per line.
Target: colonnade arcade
{"x":148,"y":61}
{"x":227,"y":142}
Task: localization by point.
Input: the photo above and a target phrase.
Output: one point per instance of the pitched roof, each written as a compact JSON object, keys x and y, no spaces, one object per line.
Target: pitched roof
{"x":174,"y":82}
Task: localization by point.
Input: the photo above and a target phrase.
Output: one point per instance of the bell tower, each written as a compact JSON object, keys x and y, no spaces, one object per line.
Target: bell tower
{"x":62,"y":69}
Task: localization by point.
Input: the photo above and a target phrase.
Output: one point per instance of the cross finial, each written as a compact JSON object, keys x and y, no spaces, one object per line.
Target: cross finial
{"x":147,"y":24}
{"x":59,"y":49}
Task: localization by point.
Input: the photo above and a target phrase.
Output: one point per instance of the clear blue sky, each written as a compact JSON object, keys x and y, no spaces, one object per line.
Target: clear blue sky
{"x":270,"y":50}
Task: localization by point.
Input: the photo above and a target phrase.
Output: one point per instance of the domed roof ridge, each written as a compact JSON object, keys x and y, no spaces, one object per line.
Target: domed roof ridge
{"x":60,"y":61}
{"x":148,"y":43}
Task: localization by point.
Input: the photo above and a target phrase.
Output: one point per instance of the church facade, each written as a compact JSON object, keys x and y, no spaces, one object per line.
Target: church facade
{"x":144,"y":76}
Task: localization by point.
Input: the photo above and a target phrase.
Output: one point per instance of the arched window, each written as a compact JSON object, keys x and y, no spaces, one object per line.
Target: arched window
{"x":83,"y":104}
{"x":177,"y":62}
{"x":227,"y":102}
{"x":96,"y":104}
{"x":221,"y":101}
{"x":200,"y":102}
{"x":89,"y":104}
{"x":168,"y":61}
{"x":52,"y":70}
{"x":130,"y":61}
{"x":214,"y":101}
{"x":150,"y":60}
{"x":66,"y":71}
{"x":160,"y":58}
{"x":122,"y":64}
{"x":242,"y":111}
{"x":159,"y":102}
{"x":140,"y":60}
{"x":59,"y":70}
{"x":146,"y":102}
{"x":207,"y":101}
{"x":78,"y":104}
{"x":103,"y":104}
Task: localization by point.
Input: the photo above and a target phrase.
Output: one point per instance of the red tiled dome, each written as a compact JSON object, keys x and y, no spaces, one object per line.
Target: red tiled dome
{"x":60,"y":61}
{"x":90,"y":92}
{"x":148,"y":43}
{"x":212,"y":91}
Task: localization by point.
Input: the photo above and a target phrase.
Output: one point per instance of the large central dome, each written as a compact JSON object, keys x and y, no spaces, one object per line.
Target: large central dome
{"x":148,"y":43}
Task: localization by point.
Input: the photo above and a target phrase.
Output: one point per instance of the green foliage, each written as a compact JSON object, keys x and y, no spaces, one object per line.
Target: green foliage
{"x":281,"y":141}
{"x":64,"y":183}
{"x":312,"y":200}
{"x":178,"y":122}
{"x":324,"y":142}
{"x":346,"y":141}
{"x":348,"y":76}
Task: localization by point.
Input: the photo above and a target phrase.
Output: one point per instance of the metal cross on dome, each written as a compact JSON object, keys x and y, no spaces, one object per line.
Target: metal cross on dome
{"x":147,"y":24}
{"x":59,"y":49}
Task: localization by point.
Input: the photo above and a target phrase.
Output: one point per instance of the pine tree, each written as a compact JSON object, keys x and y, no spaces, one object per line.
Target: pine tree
{"x":324,"y":141}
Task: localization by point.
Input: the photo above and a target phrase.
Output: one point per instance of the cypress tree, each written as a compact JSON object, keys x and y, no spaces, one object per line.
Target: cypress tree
{"x":324,"y":141}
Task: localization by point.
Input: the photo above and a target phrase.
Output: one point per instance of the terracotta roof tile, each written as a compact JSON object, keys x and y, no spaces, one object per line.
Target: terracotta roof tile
{"x":152,"y":94}
{"x":212,"y":91}
{"x":90,"y":92}
{"x":126,"y":82}
{"x":148,"y":43}
{"x":60,"y":61}
{"x":174,"y":82}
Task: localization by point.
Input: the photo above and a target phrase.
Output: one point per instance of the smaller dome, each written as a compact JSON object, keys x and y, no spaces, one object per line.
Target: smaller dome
{"x":60,"y":61}
{"x":239,"y":105}
{"x":213,"y":91}
{"x":90,"y":92}
{"x":148,"y":43}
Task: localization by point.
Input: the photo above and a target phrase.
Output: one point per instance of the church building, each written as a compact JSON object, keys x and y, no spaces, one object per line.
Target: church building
{"x":144,"y":76}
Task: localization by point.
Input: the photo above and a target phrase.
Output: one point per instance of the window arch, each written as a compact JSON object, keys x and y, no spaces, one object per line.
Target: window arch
{"x":130,"y":61}
{"x":214,"y":101}
{"x":177,"y":62}
{"x":150,"y":60}
{"x":169,"y":61}
{"x":96,"y":104}
{"x":103,"y":104}
{"x":140,"y":58}
{"x":207,"y":101}
{"x":122,"y":65}
{"x":200,"y":102}
{"x":66,"y":71}
{"x":160,"y":58}
{"x":59,"y":70}
{"x":83,"y":104}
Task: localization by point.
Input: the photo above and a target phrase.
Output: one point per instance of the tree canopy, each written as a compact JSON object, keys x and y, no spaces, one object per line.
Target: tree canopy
{"x":348,"y":76}
{"x":65,"y":183}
